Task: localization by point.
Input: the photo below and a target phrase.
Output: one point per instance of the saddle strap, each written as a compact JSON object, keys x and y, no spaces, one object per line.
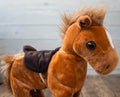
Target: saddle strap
{"x":43,"y":80}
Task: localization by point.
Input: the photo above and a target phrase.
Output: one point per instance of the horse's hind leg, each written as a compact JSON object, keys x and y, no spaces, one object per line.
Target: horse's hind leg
{"x":21,"y":89}
{"x":77,"y":94}
{"x":28,"y":93}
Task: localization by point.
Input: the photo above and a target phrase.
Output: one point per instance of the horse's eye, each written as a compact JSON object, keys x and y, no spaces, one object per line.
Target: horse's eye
{"x":91,"y":45}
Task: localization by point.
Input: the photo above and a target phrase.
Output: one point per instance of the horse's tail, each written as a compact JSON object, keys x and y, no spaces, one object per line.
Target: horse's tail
{"x":7,"y":61}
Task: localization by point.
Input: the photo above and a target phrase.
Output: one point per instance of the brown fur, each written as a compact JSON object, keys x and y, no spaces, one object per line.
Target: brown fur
{"x":12,"y":78}
{"x":67,"y":69}
{"x":96,"y":14}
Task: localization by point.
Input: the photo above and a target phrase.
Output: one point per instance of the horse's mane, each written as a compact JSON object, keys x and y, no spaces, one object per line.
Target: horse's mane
{"x":96,"y":14}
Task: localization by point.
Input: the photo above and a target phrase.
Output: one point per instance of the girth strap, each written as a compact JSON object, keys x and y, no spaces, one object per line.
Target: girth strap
{"x":41,"y":77}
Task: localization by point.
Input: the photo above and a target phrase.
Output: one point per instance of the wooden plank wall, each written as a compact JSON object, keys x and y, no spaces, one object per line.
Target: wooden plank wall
{"x":35,"y":22}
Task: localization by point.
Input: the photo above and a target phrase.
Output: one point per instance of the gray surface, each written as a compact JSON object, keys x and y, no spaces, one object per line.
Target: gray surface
{"x":95,"y":86}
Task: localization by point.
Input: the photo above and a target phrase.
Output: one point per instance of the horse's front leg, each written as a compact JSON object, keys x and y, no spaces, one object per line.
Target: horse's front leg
{"x":66,"y":94}
{"x":59,"y":89}
{"x":62,"y":93}
{"x":77,"y":94}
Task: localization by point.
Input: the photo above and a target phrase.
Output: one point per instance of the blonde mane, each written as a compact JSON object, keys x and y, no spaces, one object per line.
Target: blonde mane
{"x":96,"y":14}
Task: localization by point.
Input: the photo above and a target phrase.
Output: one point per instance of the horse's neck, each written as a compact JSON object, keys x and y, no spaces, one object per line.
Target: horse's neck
{"x":70,"y":36}
{"x":70,"y":53}
{"x":67,"y":48}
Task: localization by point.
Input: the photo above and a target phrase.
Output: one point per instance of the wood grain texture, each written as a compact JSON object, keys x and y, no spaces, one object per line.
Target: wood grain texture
{"x":95,"y":86}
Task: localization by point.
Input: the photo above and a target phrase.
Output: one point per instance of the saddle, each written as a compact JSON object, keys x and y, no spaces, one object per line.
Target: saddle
{"x":37,"y":61}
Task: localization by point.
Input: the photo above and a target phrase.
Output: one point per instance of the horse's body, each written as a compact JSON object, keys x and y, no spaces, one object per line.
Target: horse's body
{"x":85,"y":40}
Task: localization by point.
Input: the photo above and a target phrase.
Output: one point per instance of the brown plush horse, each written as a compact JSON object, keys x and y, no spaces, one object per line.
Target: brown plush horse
{"x":85,"y":40}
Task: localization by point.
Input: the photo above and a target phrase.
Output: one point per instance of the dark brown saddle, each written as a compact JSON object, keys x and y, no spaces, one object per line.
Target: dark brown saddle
{"x":37,"y":61}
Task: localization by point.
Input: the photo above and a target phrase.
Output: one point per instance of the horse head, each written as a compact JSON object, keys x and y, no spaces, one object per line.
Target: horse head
{"x":86,"y":36}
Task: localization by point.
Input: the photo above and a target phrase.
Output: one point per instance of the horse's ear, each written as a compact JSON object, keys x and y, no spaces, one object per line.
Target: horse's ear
{"x":85,"y":21}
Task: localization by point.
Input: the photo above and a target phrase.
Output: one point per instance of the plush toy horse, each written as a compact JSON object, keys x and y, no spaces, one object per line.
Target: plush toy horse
{"x":85,"y":40}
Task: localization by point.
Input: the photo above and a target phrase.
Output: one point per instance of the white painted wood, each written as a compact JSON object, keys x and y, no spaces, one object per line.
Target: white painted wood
{"x":42,"y":32}
{"x":30,"y":32}
{"x":27,"y":17}
{"x":13,"y":46}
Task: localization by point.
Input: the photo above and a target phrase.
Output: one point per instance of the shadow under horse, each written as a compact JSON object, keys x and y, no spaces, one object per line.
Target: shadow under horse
{"x":85,"y":40}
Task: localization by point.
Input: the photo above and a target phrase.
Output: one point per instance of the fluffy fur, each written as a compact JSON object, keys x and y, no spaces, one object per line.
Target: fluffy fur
{"x":96,"y":14}
{"x":7,"y":60}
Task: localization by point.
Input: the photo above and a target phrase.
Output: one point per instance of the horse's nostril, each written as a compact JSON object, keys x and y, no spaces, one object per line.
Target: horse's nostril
{"x":107,"y":66}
